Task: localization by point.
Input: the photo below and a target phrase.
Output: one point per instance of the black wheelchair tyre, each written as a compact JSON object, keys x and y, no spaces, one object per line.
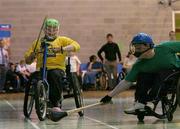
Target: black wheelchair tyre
{"x":178,"y":92}
{"x":140,"y":117}
{"x":28,"y":100}
{"x":77,"y":91}
{"x":169,"y":116}
{"x":40,"y":100}
{"x":170,"y":101}
{"x":104,"y":81}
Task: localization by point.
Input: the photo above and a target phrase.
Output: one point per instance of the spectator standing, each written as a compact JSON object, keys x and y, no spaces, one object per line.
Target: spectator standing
{"x":74,"y":62}
{"x":111,"y":51}
{"x":73,"y":68}
{"x":172,"y":36}
{"x":4,"y":58}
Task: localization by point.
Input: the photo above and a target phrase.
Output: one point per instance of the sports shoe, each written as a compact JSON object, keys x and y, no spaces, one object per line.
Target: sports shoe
{"x":136,"y":106}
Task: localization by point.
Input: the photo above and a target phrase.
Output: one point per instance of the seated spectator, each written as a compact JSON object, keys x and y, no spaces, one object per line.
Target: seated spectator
{"x":32,"y":67}
{"x":23,"y":73}
{"x":12,"y":79}
{"x":94,"y":69}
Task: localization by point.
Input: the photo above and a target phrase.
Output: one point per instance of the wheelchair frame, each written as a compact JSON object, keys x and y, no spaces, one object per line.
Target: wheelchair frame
{"x":102,"y":82}
{"x":168,"y":99}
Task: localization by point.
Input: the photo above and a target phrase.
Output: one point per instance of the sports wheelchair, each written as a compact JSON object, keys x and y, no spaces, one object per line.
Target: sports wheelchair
{"x":168,"y":96}
{"x":104,"y":81}
{"x":37,"y":89}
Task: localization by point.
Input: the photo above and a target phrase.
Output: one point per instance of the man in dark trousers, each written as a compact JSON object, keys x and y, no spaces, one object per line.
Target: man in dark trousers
{"x":4,"y":58}
{"x":111,"y":51}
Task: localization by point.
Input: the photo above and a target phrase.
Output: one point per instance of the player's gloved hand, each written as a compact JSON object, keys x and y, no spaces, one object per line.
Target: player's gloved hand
{"x":57,"y":50}
{"x":106,"y":99}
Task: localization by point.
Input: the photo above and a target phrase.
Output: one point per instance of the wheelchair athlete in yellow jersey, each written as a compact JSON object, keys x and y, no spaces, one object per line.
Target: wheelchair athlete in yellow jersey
{"x":57,"y":49}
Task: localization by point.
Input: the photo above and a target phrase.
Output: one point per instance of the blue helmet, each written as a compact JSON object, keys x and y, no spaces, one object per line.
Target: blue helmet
{"x":142,"y":38}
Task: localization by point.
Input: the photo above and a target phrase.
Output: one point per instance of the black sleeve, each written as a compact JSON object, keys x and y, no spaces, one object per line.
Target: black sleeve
{"x":118,"y":52}
{"x":99,"y":53}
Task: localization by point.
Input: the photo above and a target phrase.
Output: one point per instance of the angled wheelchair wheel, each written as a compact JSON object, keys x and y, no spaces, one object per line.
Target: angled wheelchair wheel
{"x":28,"y":100}
{"x":178,"y":92}
{"x":169,"y":105}
{"x":140,"y":117}
{"x":170,"y":100}
{"x":40,"y":100}
{"x":169,"y":116}
{"x":77,"y":91}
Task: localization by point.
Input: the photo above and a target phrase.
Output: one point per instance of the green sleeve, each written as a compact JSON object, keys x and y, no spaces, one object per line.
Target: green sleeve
{"x":132,"y":75}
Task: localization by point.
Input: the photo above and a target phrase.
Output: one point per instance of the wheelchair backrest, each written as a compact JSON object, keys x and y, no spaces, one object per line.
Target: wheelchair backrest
{"x":83,"y":67}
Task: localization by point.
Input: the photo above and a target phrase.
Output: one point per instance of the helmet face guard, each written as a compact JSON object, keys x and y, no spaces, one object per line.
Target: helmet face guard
{"x":51,"y":28}
{"x":141,"y":39}
{"x":132,"y":50}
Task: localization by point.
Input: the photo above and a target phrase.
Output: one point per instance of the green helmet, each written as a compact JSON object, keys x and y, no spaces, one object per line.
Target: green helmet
{"x":51,"y":28}
{"x":52,"y":22}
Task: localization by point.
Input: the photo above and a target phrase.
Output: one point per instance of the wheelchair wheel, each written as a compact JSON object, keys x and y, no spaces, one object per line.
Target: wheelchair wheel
{"x":167,"y":111}
{"x":178,"y":92}
{"x":103,"y":81}
{"x":170,"y":98}
{"x":40,"y":100}
{"x":77,"y":91}
{"x":169,"y":116}
{"x":169,"y":105}
{"x":140,"y":117}
{"x":28,"y":100}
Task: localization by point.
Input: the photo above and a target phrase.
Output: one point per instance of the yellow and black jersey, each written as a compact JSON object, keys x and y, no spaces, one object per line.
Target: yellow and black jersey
{"x":57,"y":61}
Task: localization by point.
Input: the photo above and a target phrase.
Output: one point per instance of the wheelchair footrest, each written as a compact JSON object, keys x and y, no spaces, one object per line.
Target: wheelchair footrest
{"x":147,"y":112}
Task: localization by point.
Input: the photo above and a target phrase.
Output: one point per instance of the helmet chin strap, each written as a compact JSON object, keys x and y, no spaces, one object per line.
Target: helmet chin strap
{"x":50,"y":38}
{"x":138,"y":54}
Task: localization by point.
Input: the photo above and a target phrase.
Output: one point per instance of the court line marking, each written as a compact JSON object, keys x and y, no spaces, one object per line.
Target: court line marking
{"x":33,"y":124}
{"x":10,"y":105}
{"x":100,"y":122}
{"x":29,"y":121}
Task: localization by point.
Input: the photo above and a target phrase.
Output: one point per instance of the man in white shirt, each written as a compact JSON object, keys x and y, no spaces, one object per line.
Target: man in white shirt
{"x":31,"y":67}
{"x":4,"y":58}
{"x":23,"y":73}
{"x":74,"y":62}
{"x":73,"y":66}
